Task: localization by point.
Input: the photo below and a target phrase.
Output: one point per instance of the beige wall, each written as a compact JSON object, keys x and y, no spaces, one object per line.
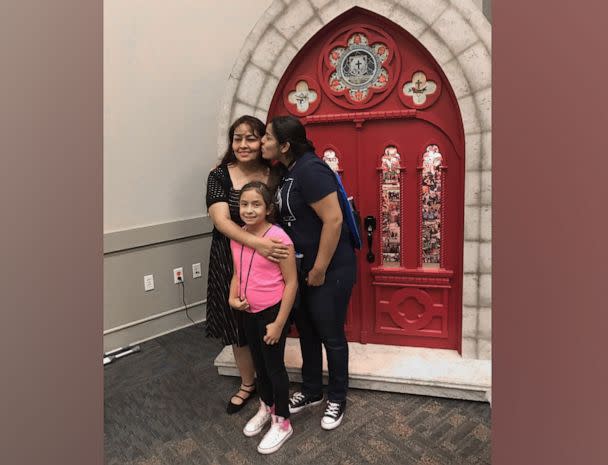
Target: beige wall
{"x":130,"y":313}
{"x":166,"y":63}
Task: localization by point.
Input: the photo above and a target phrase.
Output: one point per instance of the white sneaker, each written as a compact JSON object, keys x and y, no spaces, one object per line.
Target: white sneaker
{"x":257,"y":422}
{"x":275,"y":437}
{"x":334,"y":412}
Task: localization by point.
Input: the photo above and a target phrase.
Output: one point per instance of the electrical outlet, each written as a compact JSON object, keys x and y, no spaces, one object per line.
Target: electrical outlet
{"x":178,"y":275}
{"x":196,"y":270}
{"x":149,"y":282}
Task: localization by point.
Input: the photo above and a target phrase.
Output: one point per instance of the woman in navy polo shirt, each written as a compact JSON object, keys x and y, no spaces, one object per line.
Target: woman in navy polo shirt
{"x":309,"y":211}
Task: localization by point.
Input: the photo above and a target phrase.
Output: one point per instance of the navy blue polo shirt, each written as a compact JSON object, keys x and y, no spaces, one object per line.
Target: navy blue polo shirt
{"x":309,"y":180}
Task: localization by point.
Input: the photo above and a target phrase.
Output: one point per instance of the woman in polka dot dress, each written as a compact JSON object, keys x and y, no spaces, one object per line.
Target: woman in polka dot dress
{"x":241,"y":164}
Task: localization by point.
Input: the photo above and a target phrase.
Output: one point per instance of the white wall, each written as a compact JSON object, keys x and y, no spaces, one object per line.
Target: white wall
{"x":166,"y":63}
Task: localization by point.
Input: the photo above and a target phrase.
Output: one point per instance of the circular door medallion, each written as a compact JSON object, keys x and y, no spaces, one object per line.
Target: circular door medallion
{"x":411,"y":308}
{"x":357,"y":66}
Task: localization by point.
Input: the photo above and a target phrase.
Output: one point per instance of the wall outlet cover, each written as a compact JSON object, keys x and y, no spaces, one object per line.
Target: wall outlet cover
{"x":196,"y":270}
{"x":178,"y":275}
{"x":149,"y":282}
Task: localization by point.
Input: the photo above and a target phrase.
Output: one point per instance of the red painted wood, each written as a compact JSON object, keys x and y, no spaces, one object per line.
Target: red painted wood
{"x":409,"y":305}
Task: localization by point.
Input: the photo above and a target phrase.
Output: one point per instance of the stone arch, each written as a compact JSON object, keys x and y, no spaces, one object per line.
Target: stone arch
{"x":458,"y":36}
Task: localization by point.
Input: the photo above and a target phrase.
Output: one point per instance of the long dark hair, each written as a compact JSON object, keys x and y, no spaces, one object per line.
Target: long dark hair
{"x":289,"y":129}
{"x":256,"y":126}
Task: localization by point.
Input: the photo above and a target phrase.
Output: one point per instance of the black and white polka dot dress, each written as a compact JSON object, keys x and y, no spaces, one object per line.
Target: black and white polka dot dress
{"x":223,"y":322}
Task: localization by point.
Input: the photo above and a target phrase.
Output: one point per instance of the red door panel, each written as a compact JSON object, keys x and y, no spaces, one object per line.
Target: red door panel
{"x":408,"y":303}
{"x":366,"y":89}
{"x":345,"y":149}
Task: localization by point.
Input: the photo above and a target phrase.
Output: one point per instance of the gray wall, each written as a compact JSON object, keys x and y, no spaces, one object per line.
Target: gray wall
{"x":132,"y":314}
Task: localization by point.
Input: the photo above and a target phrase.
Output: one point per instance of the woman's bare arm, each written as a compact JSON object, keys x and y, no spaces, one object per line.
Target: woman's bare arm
{"x":273,"y":249}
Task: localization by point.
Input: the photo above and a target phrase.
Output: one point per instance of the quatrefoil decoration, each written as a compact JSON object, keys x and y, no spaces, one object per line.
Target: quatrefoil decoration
{"x":302,"y":96}
{"x":357,"y":67}
{"x":420,"y":91}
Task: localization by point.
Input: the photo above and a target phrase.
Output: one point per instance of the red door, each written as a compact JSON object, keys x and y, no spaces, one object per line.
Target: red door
{"x":384,"y":117}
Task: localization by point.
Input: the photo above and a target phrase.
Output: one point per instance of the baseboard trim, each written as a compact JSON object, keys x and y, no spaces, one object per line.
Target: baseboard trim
{"x":169,"y":331}
{"x":154,"y":317}
{"x":154,"y":326}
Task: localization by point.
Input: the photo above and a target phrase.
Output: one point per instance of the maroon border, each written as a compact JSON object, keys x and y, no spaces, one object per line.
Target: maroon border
{"x":549,"y":233}
{"x":51,"y":247}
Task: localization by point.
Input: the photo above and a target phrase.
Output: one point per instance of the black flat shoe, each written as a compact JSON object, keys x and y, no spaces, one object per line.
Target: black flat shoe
{"x":232,"y":407}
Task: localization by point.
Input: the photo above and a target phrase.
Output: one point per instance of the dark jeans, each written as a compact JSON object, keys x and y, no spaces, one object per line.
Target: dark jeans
{"x":320,"y":320}
{"x":272,"y":379}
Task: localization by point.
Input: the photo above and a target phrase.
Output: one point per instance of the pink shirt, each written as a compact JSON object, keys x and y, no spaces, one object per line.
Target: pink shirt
{"x":264,"y":281}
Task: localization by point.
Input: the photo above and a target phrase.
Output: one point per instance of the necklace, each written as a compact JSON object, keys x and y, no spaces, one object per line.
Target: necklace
{"x":243,"y":295}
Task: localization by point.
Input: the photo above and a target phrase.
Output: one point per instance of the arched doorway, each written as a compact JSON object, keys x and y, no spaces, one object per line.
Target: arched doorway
{"x":382,"y":113}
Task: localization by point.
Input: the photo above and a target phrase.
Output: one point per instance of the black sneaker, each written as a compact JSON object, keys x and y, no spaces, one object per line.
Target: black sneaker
{"x":334,"y":412}
{"x":299,"y":401}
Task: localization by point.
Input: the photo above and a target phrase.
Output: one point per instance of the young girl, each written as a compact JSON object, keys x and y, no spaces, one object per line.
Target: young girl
{"x":242,"y":163}
{"x":265,"y":291}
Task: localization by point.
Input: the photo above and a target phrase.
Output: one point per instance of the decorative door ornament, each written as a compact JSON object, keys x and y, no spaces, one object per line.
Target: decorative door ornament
{"x":410,"y":308}
{"x":431,"y":207}
{"x":392,"y":149}
{"x":330,"y":157}
{"x":357,"y":67}
{"x":302,"y":96}
{"x":390,"y":192}
{"x":421,"y":90}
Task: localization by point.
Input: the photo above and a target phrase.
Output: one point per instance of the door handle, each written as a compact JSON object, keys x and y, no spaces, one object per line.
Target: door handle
{"x":370,"y":225}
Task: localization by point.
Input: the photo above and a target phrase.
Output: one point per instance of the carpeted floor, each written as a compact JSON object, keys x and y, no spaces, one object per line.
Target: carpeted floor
{"x":165,"y":406}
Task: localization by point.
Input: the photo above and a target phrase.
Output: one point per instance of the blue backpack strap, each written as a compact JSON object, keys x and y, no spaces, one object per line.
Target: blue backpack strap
{"x":349,"y":214}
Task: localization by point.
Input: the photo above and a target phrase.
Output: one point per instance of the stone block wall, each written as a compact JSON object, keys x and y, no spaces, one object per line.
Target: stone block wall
{"x":458,"y":35}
